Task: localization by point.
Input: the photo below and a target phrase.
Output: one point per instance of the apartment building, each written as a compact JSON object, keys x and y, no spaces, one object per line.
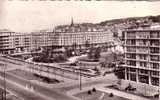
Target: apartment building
{"x":80,"y":34}
{"x":6,"y":44}
{"x":12,"y":42}
{"x":142,"y":56}
{"x":41,"y":39}
{"x":21,"y":42}
{"x":80,"y":38}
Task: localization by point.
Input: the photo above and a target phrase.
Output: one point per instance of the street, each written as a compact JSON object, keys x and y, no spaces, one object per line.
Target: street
{"x":24,"y":94}
{"x":37,"y":88}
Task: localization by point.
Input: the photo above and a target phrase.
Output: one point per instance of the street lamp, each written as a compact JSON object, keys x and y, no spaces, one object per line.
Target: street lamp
{"x":80,"y":77}
{"x":80,"y":80}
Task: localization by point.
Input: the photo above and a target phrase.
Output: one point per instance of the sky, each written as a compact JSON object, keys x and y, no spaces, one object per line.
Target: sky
{"x":31,"y":15}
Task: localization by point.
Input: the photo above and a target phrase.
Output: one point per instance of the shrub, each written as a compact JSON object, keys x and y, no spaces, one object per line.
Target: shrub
{"x":111,"y":95}
{"x":89,"y":92}
{"x":94,"y":89}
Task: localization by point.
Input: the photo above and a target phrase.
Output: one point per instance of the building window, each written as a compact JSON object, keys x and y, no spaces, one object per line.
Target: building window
{"x":143,"y":64}
{"x":142,"y":50}
{"x":142,"y":57}
{"x":132,"y":56}
{"x":131,"y":42}
{"x":154,"y":42}
{"x":132,"y":70}
{"x":143,"y":71}
{"x":142,"y":42}
{"x":154,"y":35}
{"x":154,"y":50}
{"x":143,"y":79}
{"x":133,"y":77}
{"x":154,"y":58}
{"x":132,"y":63}
{"x":155,"y":73}
{"x":131,"y":35}
{"x":142,"y":35}
{"x":155,"y":81}
{"x":154,"y":65}
{"x":131,"y":49}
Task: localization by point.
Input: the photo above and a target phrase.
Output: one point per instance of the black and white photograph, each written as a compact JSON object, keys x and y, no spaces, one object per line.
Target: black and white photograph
{"x":79,"y":50}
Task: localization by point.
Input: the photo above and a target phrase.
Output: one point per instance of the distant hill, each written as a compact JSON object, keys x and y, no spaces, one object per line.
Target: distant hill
{"x":131,"y":19}
{"x":114,"y":25}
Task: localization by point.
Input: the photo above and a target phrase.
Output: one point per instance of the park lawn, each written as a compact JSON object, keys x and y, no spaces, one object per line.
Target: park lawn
{"x":97,"y":95}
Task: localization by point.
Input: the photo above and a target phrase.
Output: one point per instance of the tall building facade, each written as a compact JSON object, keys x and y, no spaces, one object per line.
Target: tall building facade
{"x":13,"y":42}
{"x":80,"y":38}
{"x":41,"y":39}
{"x":21,"y":42}
{"x":6,"y":42}
{"x":142,"y":56}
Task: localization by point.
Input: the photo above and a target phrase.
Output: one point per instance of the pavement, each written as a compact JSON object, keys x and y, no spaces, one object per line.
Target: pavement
{"x":141,"y":88}
{"x":122,"y":94}
{"x":101,"y":87}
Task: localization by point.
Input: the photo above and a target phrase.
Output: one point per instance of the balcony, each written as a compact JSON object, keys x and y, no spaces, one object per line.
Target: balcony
{"x":131,"y":37}
{"x":142,"y":36}
{"x":142,"y":60}
{"x":142,"y":51}
{"x":154,"y":58}
{"x":155,"y":45}
{"x":131,"y":50}
{"x":143,"y":72}
{"x":155,"y":67}
{"x":154,"y":52}
{"x":155,"y":74}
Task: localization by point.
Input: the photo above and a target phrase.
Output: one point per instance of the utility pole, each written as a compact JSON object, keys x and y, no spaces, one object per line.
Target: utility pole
{"x":4,"y":82}
{"x":159,"y":80}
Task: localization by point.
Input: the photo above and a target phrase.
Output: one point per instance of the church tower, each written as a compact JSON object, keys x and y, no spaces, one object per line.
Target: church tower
{"x":72,"y":23}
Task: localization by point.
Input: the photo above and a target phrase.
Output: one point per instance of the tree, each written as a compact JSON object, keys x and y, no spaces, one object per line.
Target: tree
{"x":68,"y":52}
{"x":87,"y":44}
{"x":91,"y":53}
{"x":74,"y":46}
{"x":111,"y":95}
{"x":94,"y":89}
{"x":97,"y":53}
{"x":89,"y":92}
{"x":120,"y":73}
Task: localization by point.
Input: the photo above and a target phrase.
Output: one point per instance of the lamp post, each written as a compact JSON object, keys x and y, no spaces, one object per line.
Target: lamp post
{"x":80,"y":80}
{"x":80,"y":77}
